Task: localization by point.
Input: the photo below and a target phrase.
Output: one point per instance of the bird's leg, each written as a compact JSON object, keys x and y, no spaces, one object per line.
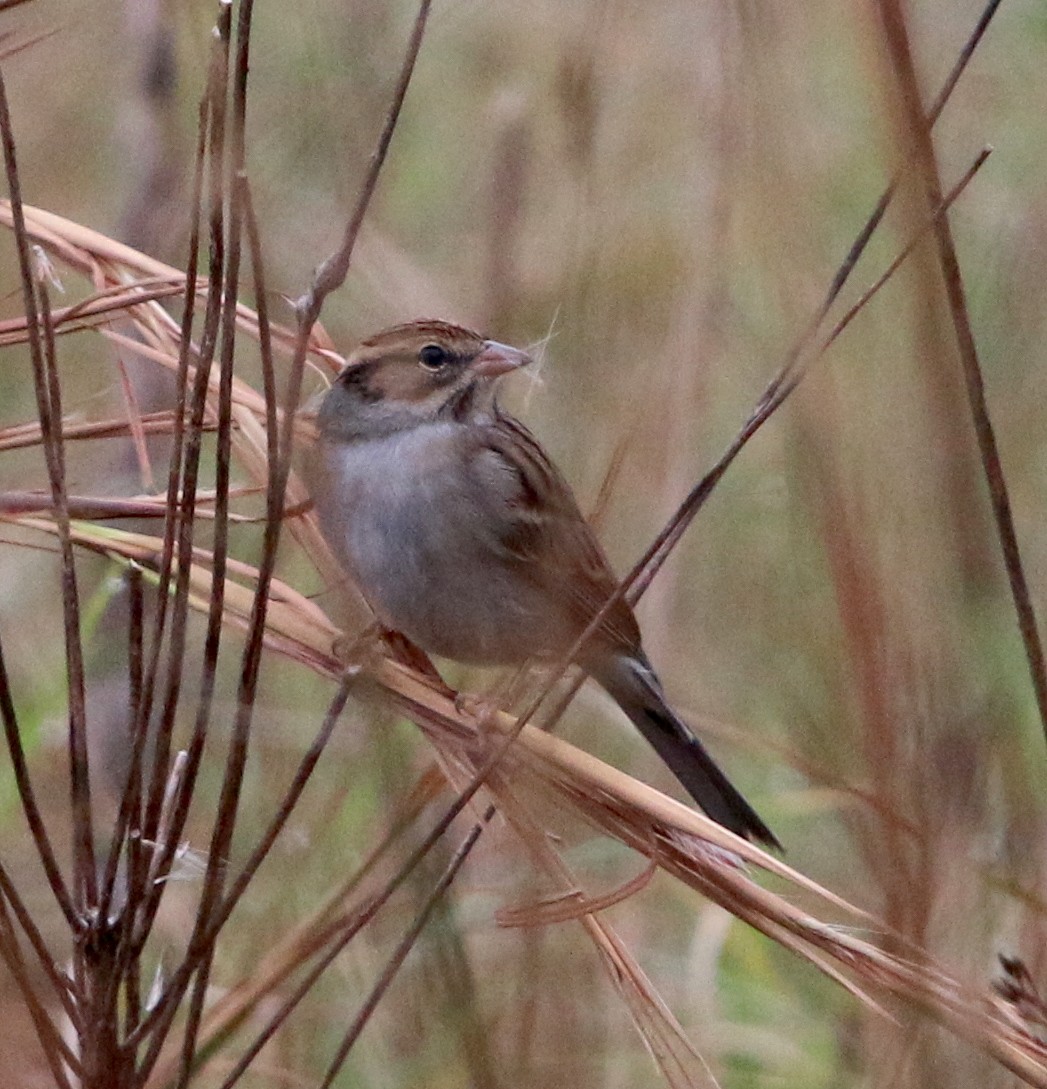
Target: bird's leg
{"x":402,"y":650}
{"x":503,"y":695}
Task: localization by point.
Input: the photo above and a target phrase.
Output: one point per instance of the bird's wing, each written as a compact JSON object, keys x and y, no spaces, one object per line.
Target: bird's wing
{"x":535,"y":525}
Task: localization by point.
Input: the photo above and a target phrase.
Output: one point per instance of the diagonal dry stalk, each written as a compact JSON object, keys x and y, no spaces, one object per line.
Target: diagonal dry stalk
{"x":232,"y":594}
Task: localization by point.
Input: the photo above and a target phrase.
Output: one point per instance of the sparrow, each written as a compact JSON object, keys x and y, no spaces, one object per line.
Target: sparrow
{"x":463,"y":536}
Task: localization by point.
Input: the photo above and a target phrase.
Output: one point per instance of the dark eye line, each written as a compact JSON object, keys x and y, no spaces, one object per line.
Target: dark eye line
{"x":358,"y":377}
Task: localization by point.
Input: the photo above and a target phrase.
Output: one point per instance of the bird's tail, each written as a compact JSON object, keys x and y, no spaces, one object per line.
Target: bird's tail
{"x":635,"y":688}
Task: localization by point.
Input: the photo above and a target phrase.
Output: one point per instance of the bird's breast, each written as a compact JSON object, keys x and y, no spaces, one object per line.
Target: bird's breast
{"x":399,"y":514}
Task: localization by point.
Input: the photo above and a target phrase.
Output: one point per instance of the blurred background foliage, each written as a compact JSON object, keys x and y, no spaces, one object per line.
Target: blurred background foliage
{"x":659,"y":195}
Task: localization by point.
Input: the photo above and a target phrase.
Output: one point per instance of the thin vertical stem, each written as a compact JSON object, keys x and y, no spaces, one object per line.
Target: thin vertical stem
{"x":228,"y":804}
{"x":130,"y":798}
{"x":56,"y":1051}
{"x":59,"y":981}
{"x":80,"y":780}
{"x":919,"y":134}
{"x":215,"y":114}
{"x":41,"y":354}
{"x":27,"y":797}
{"x":399,"y":955}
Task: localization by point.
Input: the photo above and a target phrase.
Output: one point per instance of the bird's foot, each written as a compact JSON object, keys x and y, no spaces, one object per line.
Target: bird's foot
{"x":478,"y":708}
{"x":356,"y":651}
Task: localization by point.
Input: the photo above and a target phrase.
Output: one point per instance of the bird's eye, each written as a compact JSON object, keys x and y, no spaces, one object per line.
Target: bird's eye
{"x":433,"y":357}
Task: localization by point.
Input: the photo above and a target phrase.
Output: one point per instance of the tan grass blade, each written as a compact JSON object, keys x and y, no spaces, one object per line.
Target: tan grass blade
{"x":107,"y":262}
{"x":678,"y":1061}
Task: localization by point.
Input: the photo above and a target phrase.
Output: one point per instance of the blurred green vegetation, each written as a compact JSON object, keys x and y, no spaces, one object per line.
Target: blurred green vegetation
{"x":664,"y":192}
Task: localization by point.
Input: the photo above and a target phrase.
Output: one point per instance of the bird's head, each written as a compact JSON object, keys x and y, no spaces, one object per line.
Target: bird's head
{"x":420,"y":372}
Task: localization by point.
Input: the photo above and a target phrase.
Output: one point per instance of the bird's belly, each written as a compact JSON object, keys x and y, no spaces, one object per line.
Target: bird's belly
{"x":467,"y":616}
{"x":410,"y":539}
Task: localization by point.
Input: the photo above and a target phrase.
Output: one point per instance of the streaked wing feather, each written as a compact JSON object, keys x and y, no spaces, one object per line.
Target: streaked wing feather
{"x":538,"y":525}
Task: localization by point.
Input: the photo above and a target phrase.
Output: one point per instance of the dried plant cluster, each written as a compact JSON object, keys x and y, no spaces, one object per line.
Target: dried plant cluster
{"x":142,"y":881}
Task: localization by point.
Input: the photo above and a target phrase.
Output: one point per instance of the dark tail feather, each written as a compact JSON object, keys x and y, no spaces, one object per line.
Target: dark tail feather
{"x":635,"y":689}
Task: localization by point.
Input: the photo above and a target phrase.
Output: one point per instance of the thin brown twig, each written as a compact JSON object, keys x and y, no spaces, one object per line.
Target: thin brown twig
{"x":127,"y":830}
{"x":56,"y":1051}
{"x":22,"y":436}
{"x":399,"y":954}
{"x":225,"y":818}
{"x":60,"y":982}
{"x":572,"y":904}
{"x":185,"y":455}
{"x":897,"y":37}
{"x":128,"y":815}
{"x":49,"y":402}
{"x":876,"y":286}
{"x":212,"y":138}
{"x":6,"y":5}
{"x":331,"y":273}
{"x":97,"y":309}
{"x":36,"y":352}
{"x":27,"y":798}
{"x":100,"y":508}
{"x":134,"y":419}
{"x":265,"y":346}
{"x":342,"y":934}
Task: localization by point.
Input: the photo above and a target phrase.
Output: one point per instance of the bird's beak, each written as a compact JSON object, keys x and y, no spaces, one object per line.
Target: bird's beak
{"x":496,"y":359}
